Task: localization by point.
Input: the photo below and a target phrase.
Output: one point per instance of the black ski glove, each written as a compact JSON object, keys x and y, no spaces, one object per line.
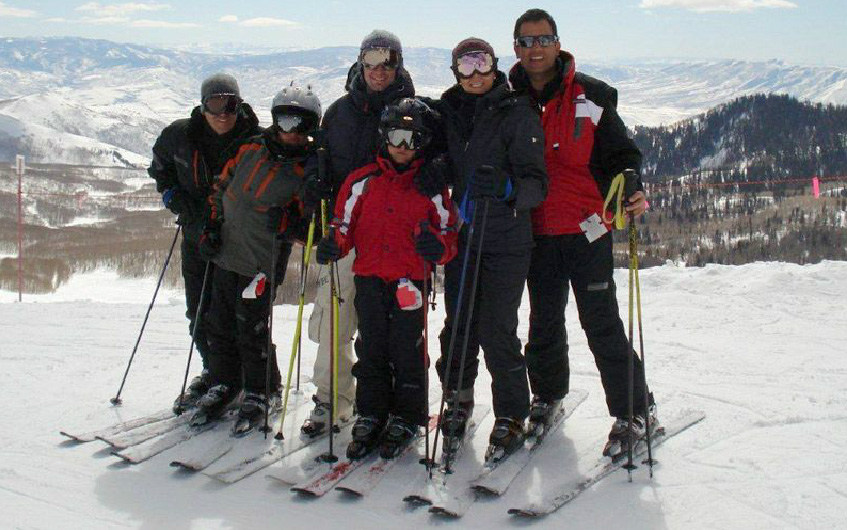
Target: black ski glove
{"x":328,"y":250}
{"x":179,"y":202}
{"x":314,"y":191}
{"x":431,"y":177}
{"x":491,"y":183}
{"x":275,"y":216}
{"x":210,"y":242}
{"x":428,"y":246}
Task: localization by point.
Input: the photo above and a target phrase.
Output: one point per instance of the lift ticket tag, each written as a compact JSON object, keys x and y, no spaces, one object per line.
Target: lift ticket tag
{"x":593,"y":228}
{"x":409,"y":296}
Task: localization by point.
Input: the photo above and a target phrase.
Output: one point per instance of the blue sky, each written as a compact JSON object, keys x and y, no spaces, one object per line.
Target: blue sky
{"x":797,"y":31}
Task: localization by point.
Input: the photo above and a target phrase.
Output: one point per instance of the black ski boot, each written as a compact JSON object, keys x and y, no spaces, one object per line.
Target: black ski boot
{"x":213,"y":404}
{"x":367,"y":432}
{"x":195,"y":390}
{"x":457,"y":414}
{"x":398,"y":435}
{"x":541,"y":414}
{"x":251,"y":414}
{"x":507,"y":436}
{"x":623,"y":434}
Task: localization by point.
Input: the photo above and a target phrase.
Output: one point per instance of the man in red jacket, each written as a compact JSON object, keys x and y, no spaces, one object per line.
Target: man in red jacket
{"x":586,"y":145}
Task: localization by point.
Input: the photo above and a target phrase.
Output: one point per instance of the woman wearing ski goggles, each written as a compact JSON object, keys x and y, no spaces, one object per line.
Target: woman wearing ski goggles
{"x":473,"y":62}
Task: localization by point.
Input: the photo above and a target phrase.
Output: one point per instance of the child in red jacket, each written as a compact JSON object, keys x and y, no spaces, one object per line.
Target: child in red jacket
{"x":398,"y":232}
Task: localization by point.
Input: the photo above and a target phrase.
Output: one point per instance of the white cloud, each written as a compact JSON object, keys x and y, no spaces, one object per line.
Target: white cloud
{"x":705,"y":6}
{"x":55,"y":19}
{"x":228,"y":18}
{"x":118,"y":10}
{"x":161,"y":24}
{"x":266,"y":22}
{"x":101,"y":21}
{"x":15,"y":12}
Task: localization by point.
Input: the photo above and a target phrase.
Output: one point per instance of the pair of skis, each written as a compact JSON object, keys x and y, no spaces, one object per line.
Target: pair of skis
{"x":359,"y":476}
{"x":453,"y":494}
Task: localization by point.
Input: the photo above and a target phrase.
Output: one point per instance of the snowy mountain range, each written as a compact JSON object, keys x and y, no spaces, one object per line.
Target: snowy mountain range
{"x":82,"y":101}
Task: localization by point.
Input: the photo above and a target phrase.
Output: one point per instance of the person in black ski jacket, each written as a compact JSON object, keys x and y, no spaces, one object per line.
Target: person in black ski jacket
{"x":586,"y":147}
{"x":350,"y":131}
{"x":187,"y":156}
{"x":496,"y":163}
{"x":256,"y":202}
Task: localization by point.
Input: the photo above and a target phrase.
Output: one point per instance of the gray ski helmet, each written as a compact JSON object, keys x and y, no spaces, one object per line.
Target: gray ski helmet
{"x":297,"y":101}
{"x":219,"y":84}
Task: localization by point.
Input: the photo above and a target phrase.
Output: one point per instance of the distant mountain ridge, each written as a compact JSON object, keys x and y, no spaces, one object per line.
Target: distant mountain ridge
{"x":92,"y":89}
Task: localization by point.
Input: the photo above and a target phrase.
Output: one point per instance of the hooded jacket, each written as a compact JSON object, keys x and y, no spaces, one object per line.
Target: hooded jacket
{"x":351,"y":124}
{"x":586,"y":145}
{"x":182,"y":160}
{"x":379,"y":211}
{"x":499,"y":129}
{"x":261,"y":176}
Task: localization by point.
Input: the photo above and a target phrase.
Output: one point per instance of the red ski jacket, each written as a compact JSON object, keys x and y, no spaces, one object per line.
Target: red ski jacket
{"x":379,"y":211}
{"x":585,"y":146}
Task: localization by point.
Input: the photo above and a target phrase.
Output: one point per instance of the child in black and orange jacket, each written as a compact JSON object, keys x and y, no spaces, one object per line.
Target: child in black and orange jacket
{"x":256,"y":202}
{"x":398,"y":233}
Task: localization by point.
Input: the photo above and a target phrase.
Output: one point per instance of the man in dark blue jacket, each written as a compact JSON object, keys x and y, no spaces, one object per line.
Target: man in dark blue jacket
{"x":187,"y":156}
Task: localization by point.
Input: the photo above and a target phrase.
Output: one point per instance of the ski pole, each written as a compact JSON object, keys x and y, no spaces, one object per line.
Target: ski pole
{"x":295,"y":345}
{"x":270,"y":350}
{"x":304,"y":274}
{"x":426,"y":282}
{"x":117,"y":399}
{"x":197,"y":320}
{"x":451,"y":345}
{"x":333,"y":342}
{"x":472,"y":302}
{"x":630,"y":366}
{"x":647,"y":419}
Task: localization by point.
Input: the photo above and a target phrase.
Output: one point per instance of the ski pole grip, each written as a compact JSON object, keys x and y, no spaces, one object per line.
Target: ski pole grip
{"x":630,"y":183}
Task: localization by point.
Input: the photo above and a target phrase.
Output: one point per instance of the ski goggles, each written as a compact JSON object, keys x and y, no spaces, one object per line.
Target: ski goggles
{"x":406,"y":138}
{"x":375,"y":57}
{"x":543,"y":40}
{"x":221,"y":104}
{"x":292,"y":123}
{"x":471,"y":62}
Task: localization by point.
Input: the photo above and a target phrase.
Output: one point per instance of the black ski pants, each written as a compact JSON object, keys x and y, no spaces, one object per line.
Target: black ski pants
{"x":193,"y":270}
{"x":238,"y":331}
{"x":558,"y":261}
{"x":391,"y":366}
{"x":494,"y":327}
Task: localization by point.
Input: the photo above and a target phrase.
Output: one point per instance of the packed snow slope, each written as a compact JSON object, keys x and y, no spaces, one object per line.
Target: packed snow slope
{"x":760,"y":348}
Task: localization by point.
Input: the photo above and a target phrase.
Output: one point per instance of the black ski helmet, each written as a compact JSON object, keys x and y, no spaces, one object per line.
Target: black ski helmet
{"x":410,"y":114}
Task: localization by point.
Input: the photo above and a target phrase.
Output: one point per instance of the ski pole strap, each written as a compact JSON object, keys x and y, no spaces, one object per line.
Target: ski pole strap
{"x":616,"y":192}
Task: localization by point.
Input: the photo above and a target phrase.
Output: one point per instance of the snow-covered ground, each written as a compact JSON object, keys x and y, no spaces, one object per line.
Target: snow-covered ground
{"x":760,"y":348}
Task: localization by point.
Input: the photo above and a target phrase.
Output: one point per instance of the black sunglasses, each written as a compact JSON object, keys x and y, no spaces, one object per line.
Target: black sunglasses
{"x":543,"y":40}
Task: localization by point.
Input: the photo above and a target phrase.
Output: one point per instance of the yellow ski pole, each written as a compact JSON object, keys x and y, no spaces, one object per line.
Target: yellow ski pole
{"x":333,"y":345}
{"x":295,"y":345}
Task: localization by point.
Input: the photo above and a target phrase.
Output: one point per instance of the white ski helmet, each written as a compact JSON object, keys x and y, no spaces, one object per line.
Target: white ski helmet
{"x":296,"y":108}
